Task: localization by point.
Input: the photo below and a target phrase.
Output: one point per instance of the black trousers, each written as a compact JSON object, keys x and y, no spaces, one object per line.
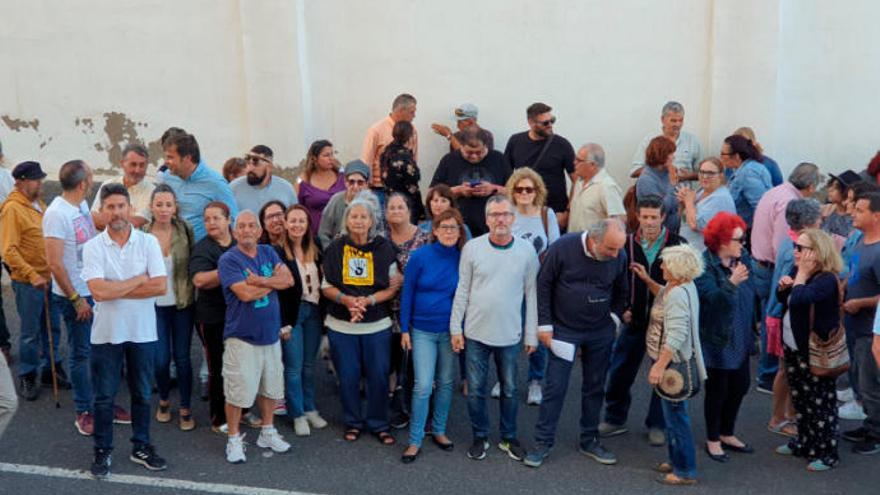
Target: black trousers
{"x":725,"y":390}
{"x":212,"y":340}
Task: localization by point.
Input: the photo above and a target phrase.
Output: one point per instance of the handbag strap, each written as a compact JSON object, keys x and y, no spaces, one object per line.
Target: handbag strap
{"x":543,"y":151}
{"x":632,"y":274}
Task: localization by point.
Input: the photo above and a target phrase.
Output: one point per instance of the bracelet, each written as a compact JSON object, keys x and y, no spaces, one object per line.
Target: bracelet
{"x":372,"y":299}
{"x":74,"y":298}
{"x":338,"y":297}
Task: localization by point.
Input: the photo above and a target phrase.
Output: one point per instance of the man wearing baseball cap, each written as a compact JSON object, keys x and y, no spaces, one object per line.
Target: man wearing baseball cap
{"x":357,"y":177}
{"x":23,"y":251}
{"x":465,"y":117}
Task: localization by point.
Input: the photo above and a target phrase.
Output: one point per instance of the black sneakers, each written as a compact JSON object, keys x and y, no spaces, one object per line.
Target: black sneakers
{"x":60,"y":378}
{"x":28,"y":388}
{"x":478,"y":450}
{"x":146,"y":456}
{"x":513,"y":448}
{"x":101,"y":466}
{"x":856,"y":435}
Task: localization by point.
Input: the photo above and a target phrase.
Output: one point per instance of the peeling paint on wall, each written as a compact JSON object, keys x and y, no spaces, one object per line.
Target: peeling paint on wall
{"x":16,"y":125}
{"x":119,"y":131}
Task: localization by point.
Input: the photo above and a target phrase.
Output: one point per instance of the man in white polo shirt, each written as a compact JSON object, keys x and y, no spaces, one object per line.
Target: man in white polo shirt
{"x":124,"y":270}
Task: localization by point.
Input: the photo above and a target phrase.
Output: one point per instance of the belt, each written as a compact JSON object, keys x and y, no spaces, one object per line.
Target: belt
{"x":765,"y":264}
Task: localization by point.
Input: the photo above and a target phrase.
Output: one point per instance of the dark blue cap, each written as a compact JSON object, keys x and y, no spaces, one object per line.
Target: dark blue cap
{"x":28,"y":171}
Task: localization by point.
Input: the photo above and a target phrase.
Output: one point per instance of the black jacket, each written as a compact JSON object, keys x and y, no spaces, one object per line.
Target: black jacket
{"x":640,"y":298}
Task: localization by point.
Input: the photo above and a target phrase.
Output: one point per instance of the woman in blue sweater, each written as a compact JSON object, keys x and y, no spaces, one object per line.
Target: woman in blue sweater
{"x":429,"y":283}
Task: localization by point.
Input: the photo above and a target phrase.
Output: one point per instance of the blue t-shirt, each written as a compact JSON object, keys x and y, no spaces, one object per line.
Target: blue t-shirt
{"x":256,"y":322}
{"x":864,"y":281}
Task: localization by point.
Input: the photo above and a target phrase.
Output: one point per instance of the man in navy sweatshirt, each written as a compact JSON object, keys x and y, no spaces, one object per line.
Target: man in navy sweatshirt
{"x":582,"y":281}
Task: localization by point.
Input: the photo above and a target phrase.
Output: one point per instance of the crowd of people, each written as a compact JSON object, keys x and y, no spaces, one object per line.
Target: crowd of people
{"x":701,"y":263}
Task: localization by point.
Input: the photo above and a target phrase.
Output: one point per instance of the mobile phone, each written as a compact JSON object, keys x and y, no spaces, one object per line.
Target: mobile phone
{"x":475,"y":182}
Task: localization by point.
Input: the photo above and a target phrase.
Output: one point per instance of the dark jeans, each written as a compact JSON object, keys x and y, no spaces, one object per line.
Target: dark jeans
{"x":212,"y":340}
{"x":538,"y":363}
{"x":174,"y":327}
{"x":478,"y":355}
{"x":627,"y":355}
{"x":595,"y":354}
{"x":80,"y":348}
{"x":869,"y":384}
{"x":30,"y":303}
{"x":363,"y":355}
{"x":725,"y":390}
{"x":107,"y":363}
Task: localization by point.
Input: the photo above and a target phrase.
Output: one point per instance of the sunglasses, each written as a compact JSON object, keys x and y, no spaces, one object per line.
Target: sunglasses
{"x":736,"y":239}
{"x":524,"y":190}
{"x":255,"y":159}
{"x":547,"y":122}
{"x":356,"y":182}
{"x":799,"y":248}
{"x":708,"y":173}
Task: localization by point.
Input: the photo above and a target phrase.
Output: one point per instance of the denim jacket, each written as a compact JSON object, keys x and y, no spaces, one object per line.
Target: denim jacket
{"x":747,"y":185}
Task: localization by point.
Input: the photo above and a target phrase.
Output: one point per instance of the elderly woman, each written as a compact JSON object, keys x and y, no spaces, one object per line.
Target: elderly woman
{"x":272,"y":220}
{"x":210,"y":304}
{"x":406,"y":238}
{"x":320,"y":180}
{"x":727,"y":303}
{"x":800,"y":214}
{"x":701,"y":205}
{"x":812,"y":304}
{"x":429,"y":284}
{"x":659,"y":178}
{"x":672,"y":336}
{"x":536,"y":224}
{"x":174,"y":310}
{"x":750,"y":178}
{"x":358,"y":271}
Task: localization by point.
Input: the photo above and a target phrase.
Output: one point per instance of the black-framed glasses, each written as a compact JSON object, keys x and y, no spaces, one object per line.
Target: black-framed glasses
{"x":547,"y":122}
{"x":708,"y":173}
{"x":737,"y":239}
{"x":448,"y":228}
{"x":799,"y":248}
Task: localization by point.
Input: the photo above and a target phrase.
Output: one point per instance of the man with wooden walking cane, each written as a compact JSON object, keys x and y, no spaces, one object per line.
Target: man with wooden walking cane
{"x":21,"y":239}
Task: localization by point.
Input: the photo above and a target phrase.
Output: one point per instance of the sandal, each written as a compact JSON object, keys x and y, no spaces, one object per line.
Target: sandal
{"x":671,"y":479}
{"x":163,"y":413}
{"x":786,"y":428}
{"x":663,"y":467}
{"x":351,"y":435}
{"x":385,"y":438}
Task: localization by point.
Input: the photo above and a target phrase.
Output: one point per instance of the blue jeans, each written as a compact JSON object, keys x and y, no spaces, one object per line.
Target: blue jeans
{"x":626,"y":359}
{"x":369,"y":356}
{"x":107,"y":362}
{"x":30,"y":303}
{"x":767,"y":365}
{"x":595,"y":352}
{"x":78,"y":342}
{"x":433,"y":358}
{"x":478,"y":355}
{"x":680,"y":439}
{"x":538,"y":363}
{"x":299,"y":353}
{"x":175,"y":328}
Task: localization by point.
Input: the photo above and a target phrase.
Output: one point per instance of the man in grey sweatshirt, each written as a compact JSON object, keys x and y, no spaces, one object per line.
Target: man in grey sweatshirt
{"x":495,"y":273}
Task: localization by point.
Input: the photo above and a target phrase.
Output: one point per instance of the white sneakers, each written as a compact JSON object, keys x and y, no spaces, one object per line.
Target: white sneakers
{"x":235,"y":449}
{"x":852,"y":410}
{"x":301,"y":426}
{"x":315,"y":420}
{"x":535,"y":395}
{"x":846,"y":395}
{"x":271,"y":439}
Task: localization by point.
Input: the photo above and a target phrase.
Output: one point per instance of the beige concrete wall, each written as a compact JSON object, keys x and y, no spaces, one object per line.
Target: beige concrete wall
{"x":80,"y":79}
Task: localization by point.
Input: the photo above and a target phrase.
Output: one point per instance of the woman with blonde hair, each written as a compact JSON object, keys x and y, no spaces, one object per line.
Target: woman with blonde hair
{"x":672,"y":336}
{"x":769,"y":163}
{"x":812,"y":304}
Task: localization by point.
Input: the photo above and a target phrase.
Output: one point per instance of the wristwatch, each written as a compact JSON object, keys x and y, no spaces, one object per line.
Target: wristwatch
{"x":74,"y":298}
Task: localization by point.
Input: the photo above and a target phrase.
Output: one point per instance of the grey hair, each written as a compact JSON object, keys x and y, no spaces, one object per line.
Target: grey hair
{"x":806,"y":174}
{"x":600,"y":228}
{"x":672,"y":107}
{"x":368,"y":201}
{"x":402,"y":101}
{"x":498,"y":198}
{"x":802,"y":213}
{"x":595,"y":154}
{"x":247,"y":212}
{"x":135,"y":148}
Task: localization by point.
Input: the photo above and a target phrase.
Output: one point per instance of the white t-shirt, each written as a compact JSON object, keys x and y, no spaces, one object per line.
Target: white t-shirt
{"x":123,"y":320}
{"x":168,"y":298}
{"x":74,"y":226}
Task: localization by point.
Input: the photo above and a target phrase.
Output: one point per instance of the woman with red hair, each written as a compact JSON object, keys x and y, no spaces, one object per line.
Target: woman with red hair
{"x":659,"y":178}
{"x":727,"y":303}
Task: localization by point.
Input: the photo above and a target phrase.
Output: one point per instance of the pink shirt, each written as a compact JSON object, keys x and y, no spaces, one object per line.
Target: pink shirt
{"x":769,"y":227}
{"x":378,"y":136}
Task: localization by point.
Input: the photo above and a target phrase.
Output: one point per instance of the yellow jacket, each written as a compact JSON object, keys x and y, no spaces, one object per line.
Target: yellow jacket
{"x":21,"y":238}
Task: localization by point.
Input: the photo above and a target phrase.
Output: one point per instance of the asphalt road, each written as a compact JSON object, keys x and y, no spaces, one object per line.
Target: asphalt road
{"x":42,"y":437}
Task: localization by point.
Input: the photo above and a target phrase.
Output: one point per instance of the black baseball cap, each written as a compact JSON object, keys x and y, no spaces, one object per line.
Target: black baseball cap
{"x":28,"y":171}
{"x":847,"y":178}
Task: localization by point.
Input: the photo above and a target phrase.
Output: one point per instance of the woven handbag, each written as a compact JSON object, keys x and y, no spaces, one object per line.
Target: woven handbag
{"x":828,"y":358}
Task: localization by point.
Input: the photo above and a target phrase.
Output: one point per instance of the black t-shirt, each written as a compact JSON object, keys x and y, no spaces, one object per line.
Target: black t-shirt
{"x":522,"y":151}
{"x":210,"y":305}
{"x":454,"y":170}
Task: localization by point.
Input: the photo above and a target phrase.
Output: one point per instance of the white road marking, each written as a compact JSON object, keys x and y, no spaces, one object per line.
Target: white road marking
{"x":128,"y":479}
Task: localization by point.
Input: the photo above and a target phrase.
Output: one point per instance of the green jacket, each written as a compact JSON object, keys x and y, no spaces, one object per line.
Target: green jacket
{"x":182,"y":242}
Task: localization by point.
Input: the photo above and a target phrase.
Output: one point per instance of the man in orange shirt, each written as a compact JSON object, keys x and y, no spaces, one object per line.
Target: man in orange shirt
{"x":379,"y":135}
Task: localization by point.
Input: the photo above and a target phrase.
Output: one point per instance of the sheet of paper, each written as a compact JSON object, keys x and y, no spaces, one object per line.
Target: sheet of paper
{"x":562,"y":350}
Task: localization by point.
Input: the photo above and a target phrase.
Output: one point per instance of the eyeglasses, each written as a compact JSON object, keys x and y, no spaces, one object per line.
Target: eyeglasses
{"x":737,"y":239}
{"x":799,"y":248}
{"x":356,"y":182}
{"x":502,"y":214}
{"x":273,"y":216}
{"x":727,"y":154}
{"x":547,"y":122}
{"x":448,"y":228}
{"x":524,"y":190}
{"x":708,"y":173}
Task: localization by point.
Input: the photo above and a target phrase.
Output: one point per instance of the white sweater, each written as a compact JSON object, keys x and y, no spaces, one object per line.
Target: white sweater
{"x":492,"y":282}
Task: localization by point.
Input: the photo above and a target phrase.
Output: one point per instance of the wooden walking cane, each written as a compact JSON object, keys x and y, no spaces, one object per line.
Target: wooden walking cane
{"x":51,"y":349}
